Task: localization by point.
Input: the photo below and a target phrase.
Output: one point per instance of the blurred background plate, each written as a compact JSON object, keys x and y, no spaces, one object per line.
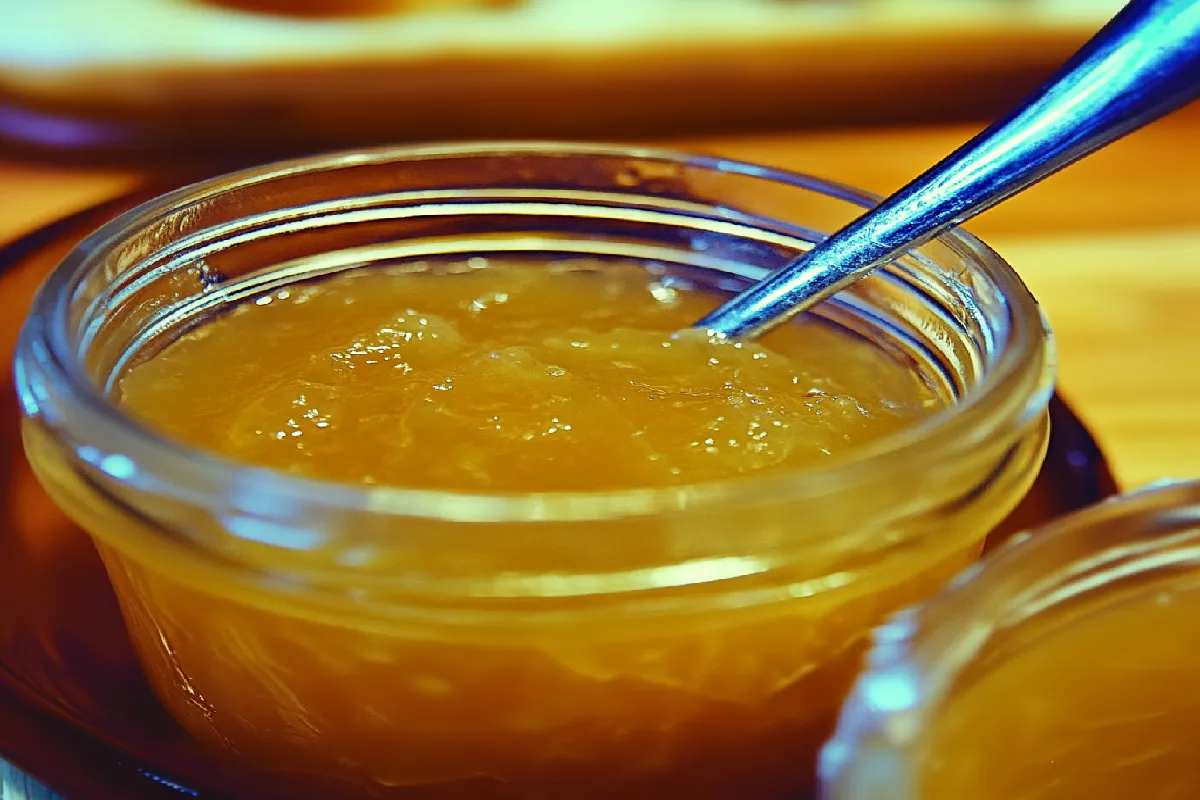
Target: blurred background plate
{"x":204,"y":77}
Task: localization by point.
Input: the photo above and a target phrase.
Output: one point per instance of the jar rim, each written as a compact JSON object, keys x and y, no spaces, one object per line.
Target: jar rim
{"x":919,"y":655}
{"x":118,"y":444}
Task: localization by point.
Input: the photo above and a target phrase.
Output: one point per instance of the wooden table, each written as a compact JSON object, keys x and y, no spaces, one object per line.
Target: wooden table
{"x":1111,"y":248}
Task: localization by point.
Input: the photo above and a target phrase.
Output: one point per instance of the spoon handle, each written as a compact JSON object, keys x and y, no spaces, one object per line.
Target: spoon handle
{"x":1142,"y":65}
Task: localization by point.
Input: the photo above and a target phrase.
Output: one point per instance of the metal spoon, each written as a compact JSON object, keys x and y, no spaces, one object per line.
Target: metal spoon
{"x":1141,"y":66}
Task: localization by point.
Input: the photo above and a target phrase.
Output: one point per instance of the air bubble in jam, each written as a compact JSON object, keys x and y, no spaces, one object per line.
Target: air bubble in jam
{"x":294,"y":421}
{"x":410,"y":340}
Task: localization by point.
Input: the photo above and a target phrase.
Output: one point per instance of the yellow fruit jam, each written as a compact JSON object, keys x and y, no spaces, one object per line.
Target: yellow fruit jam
{"x":513,"y":379}
{"x":1107,"y":708}
{"x":516,"y":379}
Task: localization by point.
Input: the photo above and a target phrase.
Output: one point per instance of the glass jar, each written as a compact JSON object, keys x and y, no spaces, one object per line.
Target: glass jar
{"x":1062,"y":667}
{"x":693,"y":641}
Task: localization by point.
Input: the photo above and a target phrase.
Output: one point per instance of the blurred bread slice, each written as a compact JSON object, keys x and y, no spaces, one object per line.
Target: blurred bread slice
{"x":203,"y":75}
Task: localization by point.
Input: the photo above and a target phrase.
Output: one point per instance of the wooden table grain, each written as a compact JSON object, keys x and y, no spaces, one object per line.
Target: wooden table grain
{"x":1110,"y":247}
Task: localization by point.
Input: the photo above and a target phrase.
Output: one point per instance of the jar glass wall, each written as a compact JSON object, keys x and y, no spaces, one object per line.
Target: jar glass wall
{"x":696,"y":638}
{"x":1063,"y":666}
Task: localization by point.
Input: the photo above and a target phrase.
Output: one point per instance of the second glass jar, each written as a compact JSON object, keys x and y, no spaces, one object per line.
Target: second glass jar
{"x":1063,"y":667}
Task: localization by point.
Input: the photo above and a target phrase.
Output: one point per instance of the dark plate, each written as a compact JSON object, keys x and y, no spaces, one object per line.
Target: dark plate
{"x":74,"y":710}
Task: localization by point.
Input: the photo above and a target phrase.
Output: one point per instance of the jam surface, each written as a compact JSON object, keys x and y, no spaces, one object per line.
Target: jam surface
{"x":516,"y":378}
